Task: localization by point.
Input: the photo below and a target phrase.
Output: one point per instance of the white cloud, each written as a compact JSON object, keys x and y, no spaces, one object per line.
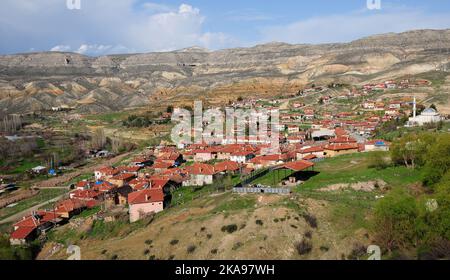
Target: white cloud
{"x":61,"y":48}
{"x":104,"y":27}
{"x":347,"y":27}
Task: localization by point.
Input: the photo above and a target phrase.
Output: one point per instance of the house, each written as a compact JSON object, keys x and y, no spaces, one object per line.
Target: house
{"x":145,"y":202}
{"x":105,"y":173}
{"x":333,"y":150}
{"x":122,"y":195}
{"x":202,"y":155}
{"x":161,"y":166}
{"x":199,"y":174}
{"x":242,"y":156}
{"x":39,"y":170}
{"x":227,"y":167}
{"x":376,"y":145}
{"x":316,"y":151}
{"x":70,"y":207}
{"x":293,"y":129}
{"x":142,"y":161}
{"x":133,"y":169}
{"x":83,"y":185}
{"x":32,"y":226}
{"x":265,"y":161}
{"x":85,"y":195}
{"x":122,"y":179}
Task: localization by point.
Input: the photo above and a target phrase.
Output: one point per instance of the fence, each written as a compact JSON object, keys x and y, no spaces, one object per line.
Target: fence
{"x":262,"y":190}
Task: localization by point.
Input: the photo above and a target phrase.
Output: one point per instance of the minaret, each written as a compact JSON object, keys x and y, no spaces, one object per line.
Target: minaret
{"x":414,"y":108}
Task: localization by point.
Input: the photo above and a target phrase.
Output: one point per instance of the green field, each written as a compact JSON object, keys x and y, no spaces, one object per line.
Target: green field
{"x":43,"y":196}
{"x":355,"y":168}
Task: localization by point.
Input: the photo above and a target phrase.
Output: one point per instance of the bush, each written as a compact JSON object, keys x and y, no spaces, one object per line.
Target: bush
{"x":230,"y":228}
{"x":190,"y":249}
{"x":237,"y":246}
{"x":378,"y":160}
{"x":148,"y":241}
{"x":174,"y":242}
{"x":308,"y":234}
{"x":395,"y":220}
{"x":146,"y":251}
{"x":214,"y":251}
{"x":304,"y":247}
{"x":209,"y":236}
{"x":259,"y":222}
{"x":310,"y":219}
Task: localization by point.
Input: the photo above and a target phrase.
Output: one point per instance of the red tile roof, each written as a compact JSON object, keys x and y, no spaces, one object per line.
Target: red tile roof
{"x":340,"y":147}
{"x":226,"y":166}
{"x":298,"y":165}
{"x":146,"y":196}
{"x":22,"y":232}
{"x":124,"y":176}
{"x":200,"y":169}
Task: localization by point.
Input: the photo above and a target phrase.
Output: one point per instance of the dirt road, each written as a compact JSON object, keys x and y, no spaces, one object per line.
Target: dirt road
{"x":64,"y":179}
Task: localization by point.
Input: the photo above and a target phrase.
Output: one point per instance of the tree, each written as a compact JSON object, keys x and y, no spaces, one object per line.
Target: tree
{"x":437,"y":160}
{"x":395,"y":220}
{"x":410,"y":150}
{"x":98,"y":139}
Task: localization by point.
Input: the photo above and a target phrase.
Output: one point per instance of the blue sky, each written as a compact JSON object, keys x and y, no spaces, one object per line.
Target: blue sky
{"x":124,"y":26}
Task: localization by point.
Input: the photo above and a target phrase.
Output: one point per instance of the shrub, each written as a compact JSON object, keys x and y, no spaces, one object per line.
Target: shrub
{"x":395,"y":220}
{"x":378,"y":160}
{"x":202,"y":229}
{"x":294,"y":226}
{"x":214,"y":251}
{"x":209,"y":236}
{"x":276,"y":220}
{"x":230,"y":228}
{"x":310,"y":219}
{"x":114,"y":257}
{"x":148,"y":241}
{"x":174,"y":242}
{"x":191,"y":248}
{"x":357,"y":252}
{"x":304,"y":247}
{"x":146,"y":251}
{"x":324,"y":248}
{"x":259,"y":222}
{"x":237,"y":246}
{"x":308,"y":234}
{"x":104,"y":252}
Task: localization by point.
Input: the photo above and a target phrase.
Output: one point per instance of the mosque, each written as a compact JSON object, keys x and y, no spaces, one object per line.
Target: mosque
{"x":429,"y":115}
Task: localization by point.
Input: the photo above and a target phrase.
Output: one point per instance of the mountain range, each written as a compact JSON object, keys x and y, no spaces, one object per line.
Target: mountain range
{"x":39,"y":81}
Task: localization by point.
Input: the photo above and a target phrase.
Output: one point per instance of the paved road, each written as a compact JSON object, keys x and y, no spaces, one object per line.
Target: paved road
{"x":23,"y":213}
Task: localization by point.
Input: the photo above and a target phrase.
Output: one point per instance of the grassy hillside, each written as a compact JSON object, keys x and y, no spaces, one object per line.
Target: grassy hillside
{"x":310,"y":224}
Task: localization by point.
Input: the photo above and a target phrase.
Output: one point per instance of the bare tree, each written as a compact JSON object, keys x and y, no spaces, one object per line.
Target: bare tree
{"x":98,"y":140}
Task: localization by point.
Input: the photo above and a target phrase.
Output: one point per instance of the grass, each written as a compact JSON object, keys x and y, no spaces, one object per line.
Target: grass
{"x":237,"y":203}
{"x":21,"y":167}
{"x":354,"y":168}
{"x":108,"y":117}
{"x":44,"y":195}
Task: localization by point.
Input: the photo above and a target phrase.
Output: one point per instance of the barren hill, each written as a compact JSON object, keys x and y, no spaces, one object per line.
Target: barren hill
{"x":36,"y":81}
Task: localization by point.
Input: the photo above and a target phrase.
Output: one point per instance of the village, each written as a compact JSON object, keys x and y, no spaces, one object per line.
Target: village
{"x":143,"y":185}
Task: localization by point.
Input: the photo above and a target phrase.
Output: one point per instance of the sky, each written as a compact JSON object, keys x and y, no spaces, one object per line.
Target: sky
{"x":102,"y":27}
